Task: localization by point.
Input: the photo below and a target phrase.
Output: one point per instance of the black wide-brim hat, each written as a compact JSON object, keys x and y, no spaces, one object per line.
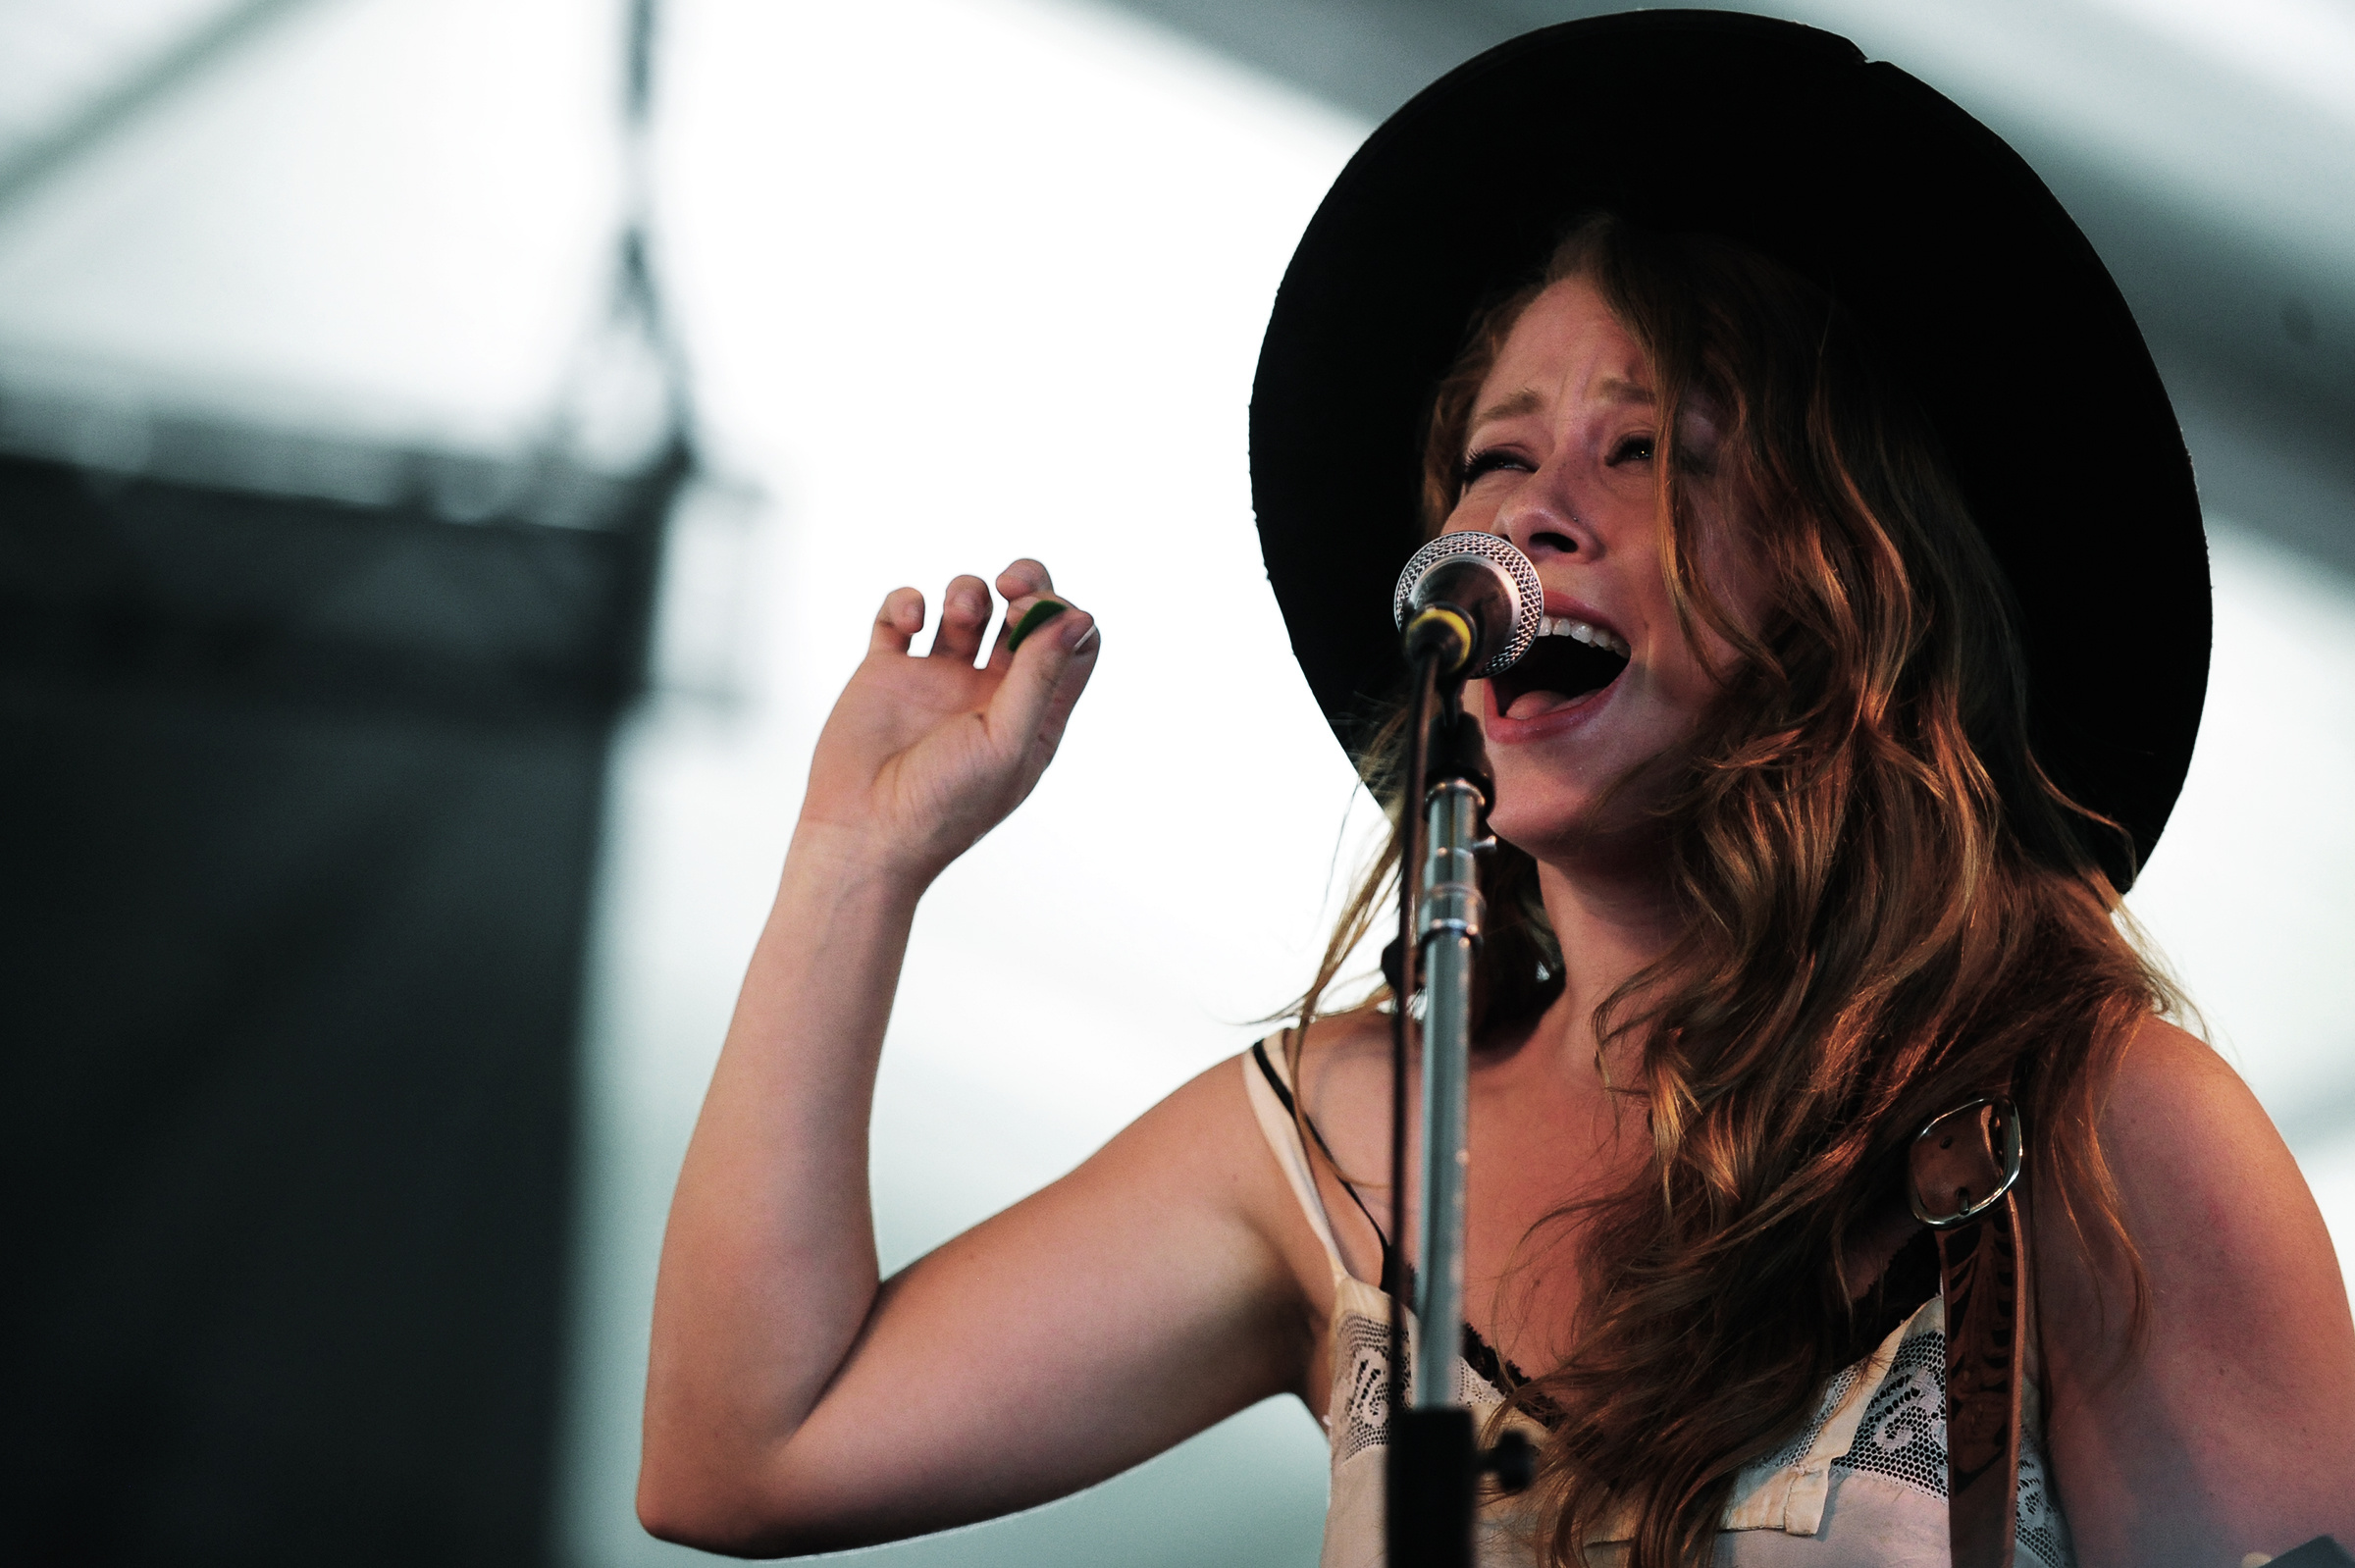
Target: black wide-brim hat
{"x":1976,"y":290}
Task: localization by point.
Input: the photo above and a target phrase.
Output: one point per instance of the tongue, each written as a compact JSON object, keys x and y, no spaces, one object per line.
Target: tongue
{"x":1529,"y":704}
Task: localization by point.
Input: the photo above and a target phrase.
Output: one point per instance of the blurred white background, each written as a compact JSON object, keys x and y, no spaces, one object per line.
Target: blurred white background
{"x":962,"y":280}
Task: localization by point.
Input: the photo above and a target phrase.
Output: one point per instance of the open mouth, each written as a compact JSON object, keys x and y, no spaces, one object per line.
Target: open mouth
{"x":1569,"y":659}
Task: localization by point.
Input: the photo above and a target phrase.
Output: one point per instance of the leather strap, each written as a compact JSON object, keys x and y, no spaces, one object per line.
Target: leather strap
{"x":1964,"y":1169}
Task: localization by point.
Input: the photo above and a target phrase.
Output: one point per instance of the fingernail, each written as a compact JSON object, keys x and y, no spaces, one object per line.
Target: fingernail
{"x":1079,"y":635}
{"x":1037,"y":615}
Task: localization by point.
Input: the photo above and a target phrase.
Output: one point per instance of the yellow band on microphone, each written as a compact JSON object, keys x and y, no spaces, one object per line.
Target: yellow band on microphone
{"x":1441,"y":632}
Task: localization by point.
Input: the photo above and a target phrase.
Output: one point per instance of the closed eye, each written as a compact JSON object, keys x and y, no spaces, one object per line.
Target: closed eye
{"x":1481,"y":464}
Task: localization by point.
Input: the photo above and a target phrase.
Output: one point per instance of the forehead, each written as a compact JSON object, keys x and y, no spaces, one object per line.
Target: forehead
{"x":1568,"y":345}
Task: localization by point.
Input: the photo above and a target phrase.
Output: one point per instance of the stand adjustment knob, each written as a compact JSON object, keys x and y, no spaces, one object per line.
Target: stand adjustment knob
{"x":1512,"y":1460}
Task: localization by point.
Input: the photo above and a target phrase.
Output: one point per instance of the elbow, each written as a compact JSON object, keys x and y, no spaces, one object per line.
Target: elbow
{"x":699,"y":1523}
{"x":704,"y":1508}
{"x":694,"y":1487}
{"x":688,"y":1515}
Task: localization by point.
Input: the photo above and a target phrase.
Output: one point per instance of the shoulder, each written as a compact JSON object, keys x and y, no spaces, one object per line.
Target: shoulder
{"x":1205,"y":1152}
{"x":2208,"y":1194}
{"x":1336,"y":1063}
{"x":1342,"y":1068}
{"x":1358,"y":1040}
{"x":2171,"y":1084}
{"x":1204,"y":1125}
{"x":2237,"y":1396}
{"x":1339,"y":1068}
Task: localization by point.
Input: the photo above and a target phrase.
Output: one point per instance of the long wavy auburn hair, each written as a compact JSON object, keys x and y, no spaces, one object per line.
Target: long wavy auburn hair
{"x":1887,"y":906}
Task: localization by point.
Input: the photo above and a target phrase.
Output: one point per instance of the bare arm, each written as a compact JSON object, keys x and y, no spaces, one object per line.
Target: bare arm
{"x":2233,"y":1430}
{"x":795,"y":1402}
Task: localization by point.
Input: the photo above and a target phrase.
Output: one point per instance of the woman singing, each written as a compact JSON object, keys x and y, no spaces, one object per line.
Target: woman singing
{"x":1874,"y":639}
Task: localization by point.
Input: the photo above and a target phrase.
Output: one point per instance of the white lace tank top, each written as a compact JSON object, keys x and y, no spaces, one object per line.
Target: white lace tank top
{"x":1862,"y":1487}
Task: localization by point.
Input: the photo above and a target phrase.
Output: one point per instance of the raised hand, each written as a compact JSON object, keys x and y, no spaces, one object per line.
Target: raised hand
{"x":924,"y":754}
{"x":795,"y":1402}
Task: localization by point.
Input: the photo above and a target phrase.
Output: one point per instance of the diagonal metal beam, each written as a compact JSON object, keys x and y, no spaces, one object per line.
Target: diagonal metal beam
{"x":131,"y":96}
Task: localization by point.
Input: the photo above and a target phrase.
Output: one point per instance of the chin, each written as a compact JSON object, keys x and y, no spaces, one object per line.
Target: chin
{"x":1564,"y":824}
{"x":1548,"y":830}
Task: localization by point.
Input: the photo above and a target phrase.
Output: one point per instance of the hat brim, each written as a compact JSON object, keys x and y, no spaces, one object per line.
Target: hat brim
{"x":1979,"y":293}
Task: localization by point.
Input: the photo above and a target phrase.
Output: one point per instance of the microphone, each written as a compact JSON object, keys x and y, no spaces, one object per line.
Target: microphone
{"x":1470,"y":602}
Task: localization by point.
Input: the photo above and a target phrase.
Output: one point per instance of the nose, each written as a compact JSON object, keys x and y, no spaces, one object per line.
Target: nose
{"x":1541,"y":518}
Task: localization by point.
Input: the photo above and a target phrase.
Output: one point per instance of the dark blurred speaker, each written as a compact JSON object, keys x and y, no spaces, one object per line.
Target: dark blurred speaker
{"x":301,"y":803}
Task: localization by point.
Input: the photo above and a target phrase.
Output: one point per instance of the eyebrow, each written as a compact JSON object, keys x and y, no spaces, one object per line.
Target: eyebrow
{"x":1613,"y":388}
{"x":1524,"y":401}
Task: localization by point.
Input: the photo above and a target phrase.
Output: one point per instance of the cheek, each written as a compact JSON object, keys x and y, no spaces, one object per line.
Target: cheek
{"x":1729,"y":557}
{"x":1676,"y":681}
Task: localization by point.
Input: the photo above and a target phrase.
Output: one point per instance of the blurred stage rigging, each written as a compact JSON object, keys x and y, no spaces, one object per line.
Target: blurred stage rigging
{"x":303,"y":740}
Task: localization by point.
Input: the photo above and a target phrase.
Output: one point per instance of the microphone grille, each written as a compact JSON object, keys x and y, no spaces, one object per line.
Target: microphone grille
{"x":1529,"y":594}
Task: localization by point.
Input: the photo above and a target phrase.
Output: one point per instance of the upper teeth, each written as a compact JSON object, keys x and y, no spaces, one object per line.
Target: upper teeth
{"x":1592,"y":636}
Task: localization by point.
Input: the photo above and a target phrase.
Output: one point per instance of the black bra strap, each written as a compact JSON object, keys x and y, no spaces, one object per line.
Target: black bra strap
{"x":1283,"y":1096}
{"x":1500,"y":1374}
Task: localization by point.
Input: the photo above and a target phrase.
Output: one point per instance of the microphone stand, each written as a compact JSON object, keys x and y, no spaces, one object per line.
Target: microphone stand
{"x":1435,"y":1463}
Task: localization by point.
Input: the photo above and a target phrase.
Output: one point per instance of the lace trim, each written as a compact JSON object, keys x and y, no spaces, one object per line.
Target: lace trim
{"x":1901,"y":1438}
